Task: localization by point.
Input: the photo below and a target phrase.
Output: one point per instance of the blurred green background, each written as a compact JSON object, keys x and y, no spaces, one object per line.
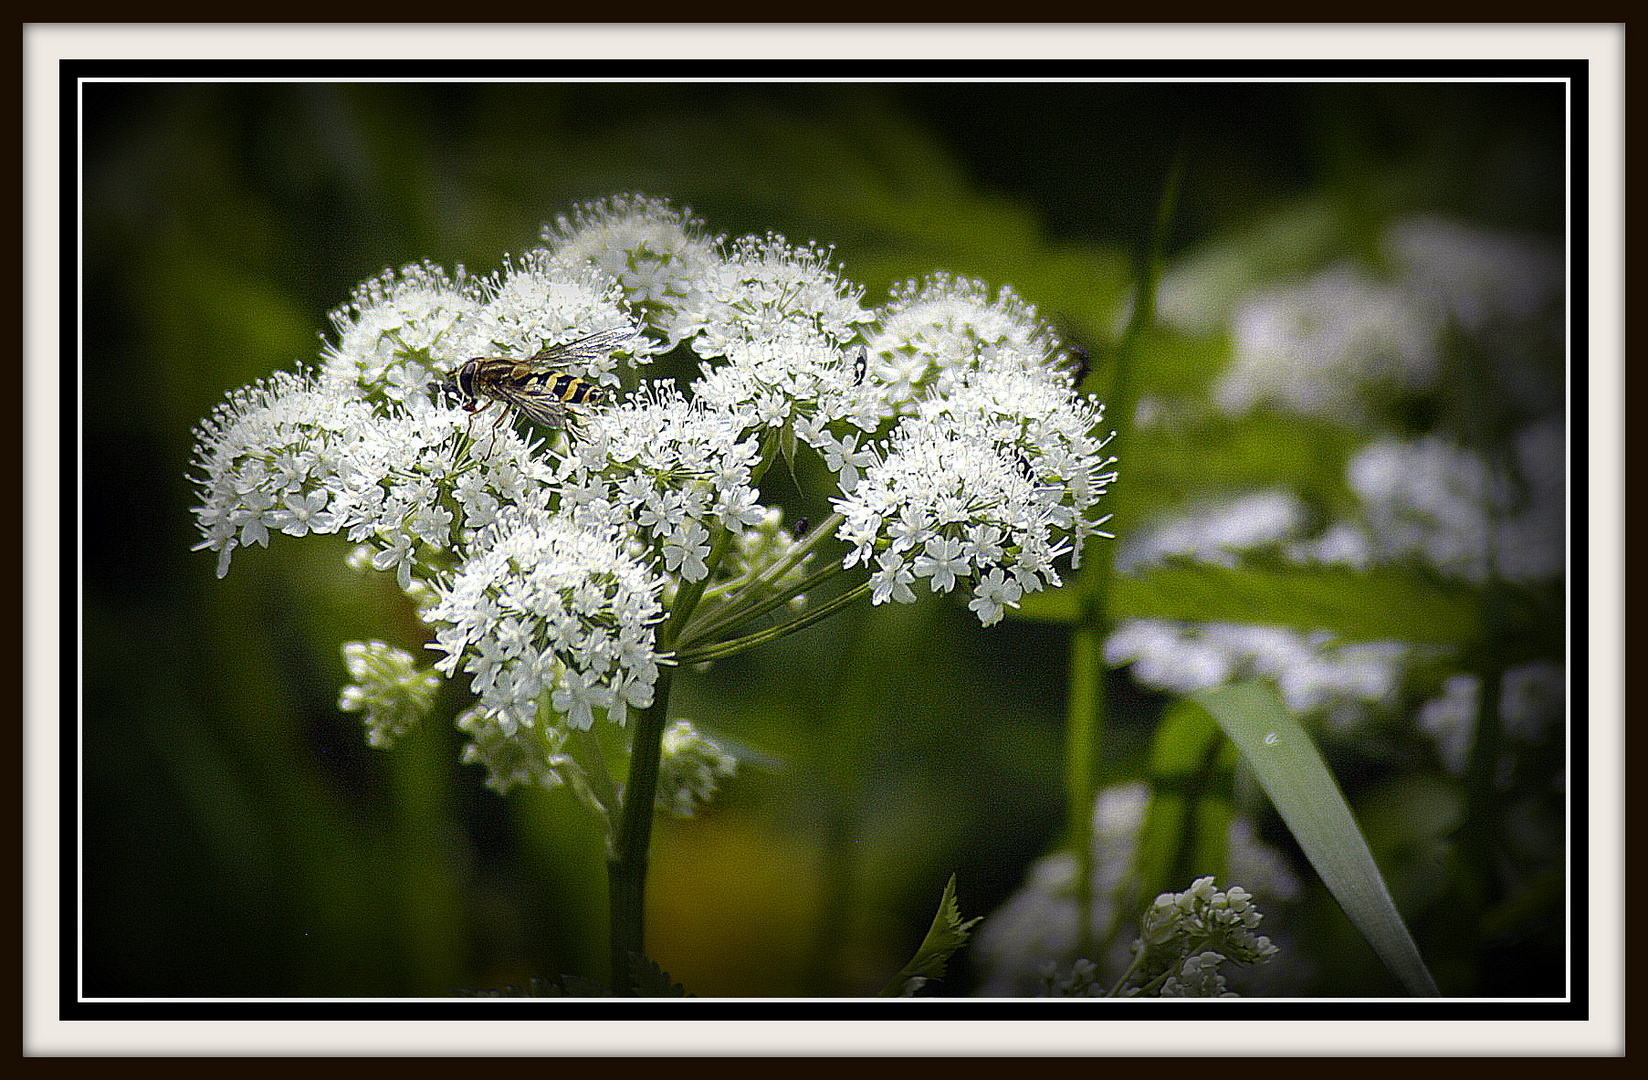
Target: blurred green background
{"x":242,"y":840}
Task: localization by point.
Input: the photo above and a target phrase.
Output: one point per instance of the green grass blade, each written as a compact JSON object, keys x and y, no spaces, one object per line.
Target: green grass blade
{"x":1293,"y":774}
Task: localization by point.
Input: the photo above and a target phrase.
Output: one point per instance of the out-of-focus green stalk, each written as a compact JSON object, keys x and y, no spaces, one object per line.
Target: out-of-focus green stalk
{"x":1086,"y":701}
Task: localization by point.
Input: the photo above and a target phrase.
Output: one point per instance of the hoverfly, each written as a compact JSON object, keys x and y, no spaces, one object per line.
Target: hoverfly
{"x":537,"y":387}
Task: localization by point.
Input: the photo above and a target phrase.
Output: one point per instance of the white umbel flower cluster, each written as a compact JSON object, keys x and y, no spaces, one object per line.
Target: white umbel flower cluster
{"x":989,"y":485}
{"x":765,"y":288}
{"x":543,"y":608}
{"x":559,"y":569}
{"x":656,"y":253}
{"x":935,"y":330}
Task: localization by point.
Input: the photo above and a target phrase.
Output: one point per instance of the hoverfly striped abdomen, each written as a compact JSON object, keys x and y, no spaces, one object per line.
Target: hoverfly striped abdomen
{"x":538,"y":388}
{"x":569,"y":388}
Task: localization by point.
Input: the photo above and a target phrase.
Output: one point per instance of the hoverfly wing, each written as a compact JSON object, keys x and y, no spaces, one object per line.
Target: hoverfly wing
{"x":594,"y":346}
{"x":540,"y":408}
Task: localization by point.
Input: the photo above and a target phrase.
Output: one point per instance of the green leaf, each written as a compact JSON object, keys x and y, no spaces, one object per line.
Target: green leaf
{"x":650,"y":980}
{"x":1195,"y":456}
{"x":1293,"y":774}
{"x":1355,"y":605}
{"x":947,"y":934}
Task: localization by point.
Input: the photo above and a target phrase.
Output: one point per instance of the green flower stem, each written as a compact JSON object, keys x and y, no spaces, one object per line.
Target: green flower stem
{"x":630,"y":846}
{"x":729,"y":618}
{"x":1132,"y":969}
{"x":723,"y":649}
{"x":739,"y":591}
{"x":627,"y":862}
{"x":1084,"y":735}
{"x":1082,"y":742}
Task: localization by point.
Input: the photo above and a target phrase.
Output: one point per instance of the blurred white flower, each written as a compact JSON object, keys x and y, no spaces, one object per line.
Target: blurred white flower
{"x":389,"y":689}
{"x":1323,"y":347}
{"x":1039,"y":924}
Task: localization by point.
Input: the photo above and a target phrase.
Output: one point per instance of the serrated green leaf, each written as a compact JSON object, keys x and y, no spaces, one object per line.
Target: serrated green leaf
{"x":1291,"y":771}
{"x":650,"y":980}
{"x":947,"y":934}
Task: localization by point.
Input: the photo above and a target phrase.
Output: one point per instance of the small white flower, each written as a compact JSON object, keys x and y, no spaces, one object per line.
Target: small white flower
{"x":767,"y":288}
{"x":994,"y":592}
{"x":891,"y":580}
{"x":398,"y":556}
{"x":685,"y":550}
{"x":303,"y":513}
{"x":845,"y":458}
{"x":942,"y":561}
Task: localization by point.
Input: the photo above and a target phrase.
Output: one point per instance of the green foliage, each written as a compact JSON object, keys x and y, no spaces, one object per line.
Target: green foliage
{"x":647,"y":979}
{"x":1288,"y":767}
{"x":1180,"y":456}
{"x":1188,"y":820}
{"x":1356,"y":605}
{"x":947,"y":934}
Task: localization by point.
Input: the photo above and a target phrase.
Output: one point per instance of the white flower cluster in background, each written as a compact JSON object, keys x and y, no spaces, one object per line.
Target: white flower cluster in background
{"x":1313,"y":671}
{"x":1035,"y":933}
{"x":1472,"y":313}
{"x":1424,"y":500}
{"x":546,"y":561}
{"x":1532,"y":699}
{"x":1320,"y":347}
{"x":1329,"y":340}
{"x":1446,"y":506}
{"x":1216,"y":532}
{"x":1479,"y":278}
